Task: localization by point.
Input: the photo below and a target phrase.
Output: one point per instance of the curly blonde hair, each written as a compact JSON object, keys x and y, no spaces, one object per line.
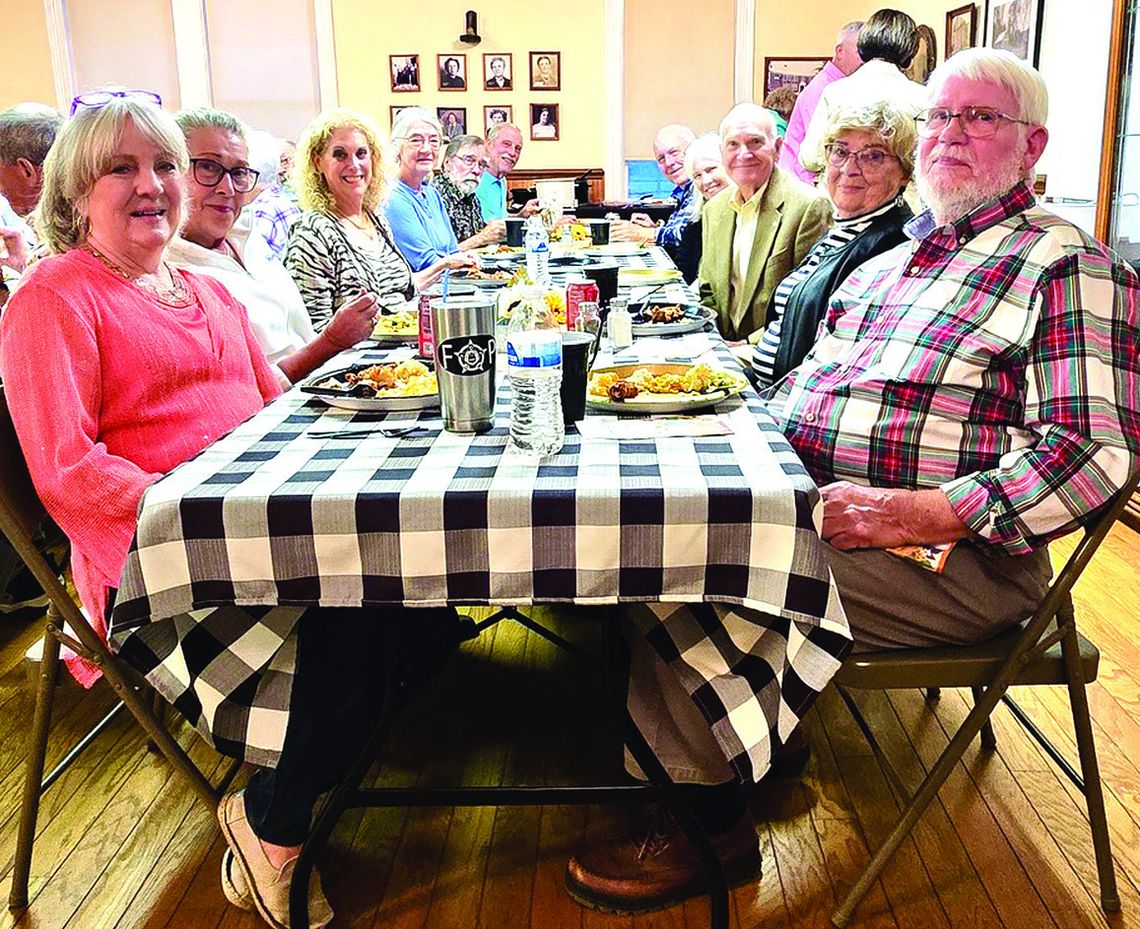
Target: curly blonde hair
{"x":83,"y":152}
{"x":895,"y":128}
{"x":312,"y":189}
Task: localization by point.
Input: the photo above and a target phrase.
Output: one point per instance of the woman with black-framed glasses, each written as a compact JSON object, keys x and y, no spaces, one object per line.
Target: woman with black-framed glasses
{"x":214,"y":242}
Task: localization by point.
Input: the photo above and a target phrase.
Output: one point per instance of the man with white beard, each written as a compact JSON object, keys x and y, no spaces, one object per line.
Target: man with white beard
{"x":976,"y":389}
{"x":464,"y":160}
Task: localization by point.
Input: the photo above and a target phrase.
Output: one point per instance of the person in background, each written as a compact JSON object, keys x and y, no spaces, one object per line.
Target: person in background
{"x":464,"y":160}
{"x":27,"y":131}
{"x":887,"y":43}
{"x":342,"y":247}
{"x":415,"y":209}
{"x":504,"y":149}
{"x":754,"y":234}
{"x":844,"y":61}
{"x":285,"y":166}
{"x":669,"y":147}
{"x":212,"y":242}
{"x":870,"y":159}
{"x":271,"y":209}
{"x":705,"y":166}
{"x":781,"y":101}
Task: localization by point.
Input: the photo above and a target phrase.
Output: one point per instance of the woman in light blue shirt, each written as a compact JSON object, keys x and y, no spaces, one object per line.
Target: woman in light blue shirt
{"x":415,"y":209}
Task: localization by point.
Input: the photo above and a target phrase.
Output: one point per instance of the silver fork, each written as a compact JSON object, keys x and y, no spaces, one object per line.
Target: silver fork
{"x":393,"y":432}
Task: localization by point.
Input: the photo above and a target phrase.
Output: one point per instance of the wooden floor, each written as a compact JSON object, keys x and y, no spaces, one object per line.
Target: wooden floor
{"x":122,"y":845}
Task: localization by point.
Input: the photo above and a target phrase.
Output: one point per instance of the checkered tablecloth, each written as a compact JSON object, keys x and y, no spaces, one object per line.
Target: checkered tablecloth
{"x":274,"y":520}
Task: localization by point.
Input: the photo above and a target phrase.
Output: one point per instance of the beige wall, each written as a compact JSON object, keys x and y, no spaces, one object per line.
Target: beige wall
{"x":789,"y":29}
{"x":666,"y":80}
{"x":367,"y":32}
{"x":25,"y":53}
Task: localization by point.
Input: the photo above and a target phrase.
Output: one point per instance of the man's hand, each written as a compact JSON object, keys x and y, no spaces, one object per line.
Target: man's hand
{"x":877,"y":517}
{"x":14,"y":252}
{"x":622,"y":230}
{"x":642,"y":219}
{"x":495,"y":230}
{"x":531,"y":206}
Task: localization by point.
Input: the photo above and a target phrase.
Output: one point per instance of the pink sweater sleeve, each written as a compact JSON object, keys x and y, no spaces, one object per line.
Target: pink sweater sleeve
{"x":56,"y":393}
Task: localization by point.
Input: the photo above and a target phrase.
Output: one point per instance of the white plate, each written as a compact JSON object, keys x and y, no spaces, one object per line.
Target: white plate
{"x":690,"y":323}
{"x":617,"y":248}
{"x":343,"y":401}
{"x":644,"y":277}
{"x":659,"y":403}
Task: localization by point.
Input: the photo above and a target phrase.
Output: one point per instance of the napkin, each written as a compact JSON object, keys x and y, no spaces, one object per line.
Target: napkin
{"x":651,"y":427}
{"x":656,"y":348}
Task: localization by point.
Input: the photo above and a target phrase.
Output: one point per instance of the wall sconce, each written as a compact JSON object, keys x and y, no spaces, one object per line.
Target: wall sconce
{"x":470,"y":35}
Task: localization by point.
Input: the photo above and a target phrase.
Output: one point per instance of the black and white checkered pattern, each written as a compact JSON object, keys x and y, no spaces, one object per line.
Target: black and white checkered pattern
{"x":272,"y":520}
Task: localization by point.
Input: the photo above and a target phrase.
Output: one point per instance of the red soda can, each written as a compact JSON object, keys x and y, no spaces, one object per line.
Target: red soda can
{"x":579,"y":290}
{"x":427,"y":337}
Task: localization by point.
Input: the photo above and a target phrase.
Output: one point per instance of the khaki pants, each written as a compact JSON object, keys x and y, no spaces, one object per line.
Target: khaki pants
{"x":890,"y":603}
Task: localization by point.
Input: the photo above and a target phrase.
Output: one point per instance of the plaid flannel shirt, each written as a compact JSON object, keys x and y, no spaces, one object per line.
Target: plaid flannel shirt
{"x":994,"y":358}
{"x":670,"y":233}
{"x":274,"y":214}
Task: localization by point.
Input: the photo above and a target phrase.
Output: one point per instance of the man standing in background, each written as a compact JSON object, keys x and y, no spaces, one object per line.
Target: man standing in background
{"x":844,"y":61}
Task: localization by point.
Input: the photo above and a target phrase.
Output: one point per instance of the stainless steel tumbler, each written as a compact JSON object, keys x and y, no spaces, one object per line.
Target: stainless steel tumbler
{"x":464,"y":329}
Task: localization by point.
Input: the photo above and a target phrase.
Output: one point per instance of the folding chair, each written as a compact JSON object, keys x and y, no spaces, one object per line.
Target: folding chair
{"x":1048,"y":649}
{"x":20,"y":514}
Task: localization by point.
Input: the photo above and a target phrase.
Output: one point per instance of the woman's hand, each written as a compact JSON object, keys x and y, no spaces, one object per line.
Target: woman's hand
{"x":458,"y":260}
{"x":352,"y":322}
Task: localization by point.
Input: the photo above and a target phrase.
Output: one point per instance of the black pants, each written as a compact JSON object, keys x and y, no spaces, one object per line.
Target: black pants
{"x":336,"y":702}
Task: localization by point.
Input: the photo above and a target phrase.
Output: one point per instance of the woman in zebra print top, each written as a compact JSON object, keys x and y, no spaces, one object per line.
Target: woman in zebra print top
{"x":342,"y":246}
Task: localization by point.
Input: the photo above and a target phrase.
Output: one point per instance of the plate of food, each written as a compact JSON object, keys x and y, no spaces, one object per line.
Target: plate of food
{"x":659,"y":318}
{"x":387,"y":387}
{"x":642,"y":277}
{"x":503,"y":252}
{"x":485,"y":278}
{"x":403,"y":326}
{"x":618,"y":248}
{"x":660,"y":388}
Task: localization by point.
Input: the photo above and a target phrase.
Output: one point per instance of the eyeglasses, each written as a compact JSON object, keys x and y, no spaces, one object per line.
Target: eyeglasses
{"x":978,"y":122}
{"x":433,"y":141}
{"x":868,"y":159}
{"x":209,"y":173}
{"x":471,"y":161}
{"x":97,"y":98}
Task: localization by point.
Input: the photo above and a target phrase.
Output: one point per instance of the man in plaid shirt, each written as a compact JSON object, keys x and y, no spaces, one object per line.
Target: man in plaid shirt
{"x":977,"y":386}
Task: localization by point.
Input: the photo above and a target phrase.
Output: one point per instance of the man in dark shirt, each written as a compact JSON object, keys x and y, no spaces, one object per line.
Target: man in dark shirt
{"x":463,"y":164}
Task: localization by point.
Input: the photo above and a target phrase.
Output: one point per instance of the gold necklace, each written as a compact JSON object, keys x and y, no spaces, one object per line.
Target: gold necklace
{"x":176,"y":295}
{"x":366,"y":227}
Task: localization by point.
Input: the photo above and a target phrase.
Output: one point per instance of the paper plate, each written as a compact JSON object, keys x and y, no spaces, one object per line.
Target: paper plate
{"x":660,"y":403}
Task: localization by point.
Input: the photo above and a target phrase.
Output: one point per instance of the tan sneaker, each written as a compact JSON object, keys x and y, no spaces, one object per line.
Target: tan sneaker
{"x":254,"y":880}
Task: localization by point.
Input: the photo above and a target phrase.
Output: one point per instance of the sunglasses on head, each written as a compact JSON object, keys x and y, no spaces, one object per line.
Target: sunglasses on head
{"x":96,"y":98}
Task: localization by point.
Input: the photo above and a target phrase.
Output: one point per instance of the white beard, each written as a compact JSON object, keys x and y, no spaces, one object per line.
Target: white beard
{"x":949,"y":202}
{"x":467,"y":185}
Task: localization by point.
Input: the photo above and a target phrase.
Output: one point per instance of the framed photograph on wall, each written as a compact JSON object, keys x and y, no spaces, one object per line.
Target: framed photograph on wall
{"x":1015,"y":25}
{"x":405,"y":73}
{"x":496,"y":116}
{"x":544,"y":122}
{"x":545,"y":70}
{"x":925,"y":58}
{"x":961,"y":28}
{"x":452,"y":71}
{"x":453,"y":119}
{"x":497,"y":71}
{"x":790,"y":72}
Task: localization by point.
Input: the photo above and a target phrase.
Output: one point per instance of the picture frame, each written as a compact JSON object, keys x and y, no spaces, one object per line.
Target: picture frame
{"x":782,"y":71}
{"x":925,"y":58}
{"x":452,"y":71}
{"x":544,"y":122}
{"x":503,"y":79}
{"x":545,"y":70}
{"x":497,"y":114}
{"x":1015,"y":25}
{"x":404,"y":70}
{"x":453,"y":119}
{"x":394,"y":111}
{"x":961,"y":28}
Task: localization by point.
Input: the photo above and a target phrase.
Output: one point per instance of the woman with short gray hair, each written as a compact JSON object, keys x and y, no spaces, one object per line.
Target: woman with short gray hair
{"x":415,"y":209}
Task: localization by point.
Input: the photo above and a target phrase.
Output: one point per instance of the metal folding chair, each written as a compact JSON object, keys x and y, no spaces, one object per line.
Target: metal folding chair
{"x":20,"y":515}
{"x":1047,"y":649}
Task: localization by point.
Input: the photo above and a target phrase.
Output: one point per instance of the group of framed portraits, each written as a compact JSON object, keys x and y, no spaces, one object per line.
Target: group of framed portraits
{"x":1014,"y":25}
{"x":544,"y":71}
{"x":544,"y":120}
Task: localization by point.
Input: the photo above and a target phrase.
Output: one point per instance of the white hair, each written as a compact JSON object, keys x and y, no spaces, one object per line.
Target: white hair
{"x":997,"y":66}
{"x":750,"y":112}
{"x":402,"y":125}
{"x":705,"y":146}
{"x":675,"y":131}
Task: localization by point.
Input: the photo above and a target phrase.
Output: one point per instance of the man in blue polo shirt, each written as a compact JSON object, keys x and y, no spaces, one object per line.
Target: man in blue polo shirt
{"x":504,"y":148}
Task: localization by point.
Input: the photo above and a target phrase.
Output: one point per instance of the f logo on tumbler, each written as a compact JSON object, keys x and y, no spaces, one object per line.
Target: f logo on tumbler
{"x":468,"y":355}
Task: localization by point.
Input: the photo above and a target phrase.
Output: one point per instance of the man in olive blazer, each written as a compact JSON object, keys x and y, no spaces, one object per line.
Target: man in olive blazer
{"x":755,"y":234}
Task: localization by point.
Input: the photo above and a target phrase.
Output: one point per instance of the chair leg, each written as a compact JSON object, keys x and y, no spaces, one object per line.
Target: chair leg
{"x":988,"y":739}
{"x":1090,"y":771}
{"x":34,"y":768}
{"x":933,"y":693}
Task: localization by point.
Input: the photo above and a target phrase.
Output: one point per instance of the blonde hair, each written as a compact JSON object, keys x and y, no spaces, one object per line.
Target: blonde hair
{"x":312,"y":189}
{"x":894,"y":127}
{"x":83,"y":152}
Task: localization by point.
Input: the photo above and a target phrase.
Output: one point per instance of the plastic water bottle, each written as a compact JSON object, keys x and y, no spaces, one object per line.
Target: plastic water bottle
{"x":534,"y":364}
{"x":537,"y":244}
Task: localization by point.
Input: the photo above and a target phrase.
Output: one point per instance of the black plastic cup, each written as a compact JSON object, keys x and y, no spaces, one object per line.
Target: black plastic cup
{"x":599,"y":231}
{"x":576,"y":350}
{"x":516,"y":232}
{"x":606,"y":277}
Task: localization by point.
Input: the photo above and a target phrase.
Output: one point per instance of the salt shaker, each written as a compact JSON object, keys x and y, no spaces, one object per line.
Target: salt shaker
{"x":620,"y":324}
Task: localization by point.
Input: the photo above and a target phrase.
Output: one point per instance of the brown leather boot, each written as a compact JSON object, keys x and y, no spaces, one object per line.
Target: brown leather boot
{"x":658,"y":868}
